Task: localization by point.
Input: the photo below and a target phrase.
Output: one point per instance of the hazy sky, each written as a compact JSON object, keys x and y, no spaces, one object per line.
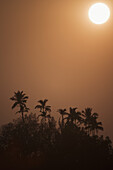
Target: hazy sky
{"x":50,"y":49}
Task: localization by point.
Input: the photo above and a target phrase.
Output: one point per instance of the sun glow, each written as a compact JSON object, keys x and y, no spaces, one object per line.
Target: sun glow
{"x":99,"y":13}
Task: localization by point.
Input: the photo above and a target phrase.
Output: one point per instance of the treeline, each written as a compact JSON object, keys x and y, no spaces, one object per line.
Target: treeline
{"x":38,"y":141}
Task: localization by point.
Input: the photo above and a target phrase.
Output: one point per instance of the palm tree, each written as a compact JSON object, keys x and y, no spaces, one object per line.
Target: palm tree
{"x":44,"y":109}
{"x":95,"y":126}
{"x":90,"y":121}
{"x":74,"y":117}
{"x":20,"y":100}
{"x":62,"y":113}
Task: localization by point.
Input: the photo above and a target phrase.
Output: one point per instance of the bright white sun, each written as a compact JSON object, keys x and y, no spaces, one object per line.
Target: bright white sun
{"x":99,"y":13}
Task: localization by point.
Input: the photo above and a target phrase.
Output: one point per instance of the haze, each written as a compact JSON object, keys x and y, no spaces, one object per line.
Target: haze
{"x":50,"y":49}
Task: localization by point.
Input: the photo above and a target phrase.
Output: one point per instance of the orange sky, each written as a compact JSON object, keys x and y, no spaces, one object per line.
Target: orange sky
{"x":51,"y":50}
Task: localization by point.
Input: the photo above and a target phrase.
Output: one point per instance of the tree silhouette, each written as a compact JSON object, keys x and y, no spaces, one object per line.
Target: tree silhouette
{"x":45,"y":144}
{"x":74,"y":117}
{"x":20,"y":100}
{"x":43,"y":108}
{"x":95,"y":126}
{"x":62,"y":113}
{"x":90,"y":121}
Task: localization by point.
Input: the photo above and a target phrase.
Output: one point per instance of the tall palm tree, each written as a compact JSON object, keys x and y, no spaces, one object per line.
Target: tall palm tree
{"x":62,"y":113}
{"x":95,"y":126}
{"x":87,"y":115}
{"x":44,"y":109}
{"x":74,"y":116}
{"x":20,"y":100}
{"x":90,"y":121}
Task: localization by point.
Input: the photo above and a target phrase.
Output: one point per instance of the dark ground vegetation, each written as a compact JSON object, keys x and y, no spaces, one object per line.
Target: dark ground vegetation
{"x":38,"y":141}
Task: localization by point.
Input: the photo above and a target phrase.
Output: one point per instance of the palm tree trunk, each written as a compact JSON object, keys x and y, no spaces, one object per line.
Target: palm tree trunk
{"x":62,"y":120}
{"x":72,"y":121}
{"x":23,"y":116}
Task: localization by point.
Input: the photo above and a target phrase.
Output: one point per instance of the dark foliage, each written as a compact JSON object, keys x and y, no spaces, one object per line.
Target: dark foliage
{"x":42,"y":143}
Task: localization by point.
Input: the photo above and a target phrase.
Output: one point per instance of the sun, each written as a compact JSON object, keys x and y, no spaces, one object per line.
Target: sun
{"x":99,"y":13}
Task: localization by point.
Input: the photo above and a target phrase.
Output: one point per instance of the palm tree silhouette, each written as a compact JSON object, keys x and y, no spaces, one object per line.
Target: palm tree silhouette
{"x":95,"y":126}
{"x":74,"y":117}
{"x":20,"y":100}
{"x":90,"y":121}
{"x":62,"y":113}
{"x":43,"y":108}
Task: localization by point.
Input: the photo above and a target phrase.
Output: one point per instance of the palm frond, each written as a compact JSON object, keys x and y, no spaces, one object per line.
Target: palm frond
{"x":26,"y":109}
{"x":38,"y":107}
{"x":18,"y":112}
{"x":26,"y":97}
{"x":62,"y":111}
{"x":12,"y":98}
{"x":24,"y":101}
{"x":20,"y":92}
{"x":48,"y":109}
{"x":99,"y":123}
{"x":14,"y":105}
{"x":100,"y":128}
{"x":40,"y":101}
{"x":45,"y":101}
